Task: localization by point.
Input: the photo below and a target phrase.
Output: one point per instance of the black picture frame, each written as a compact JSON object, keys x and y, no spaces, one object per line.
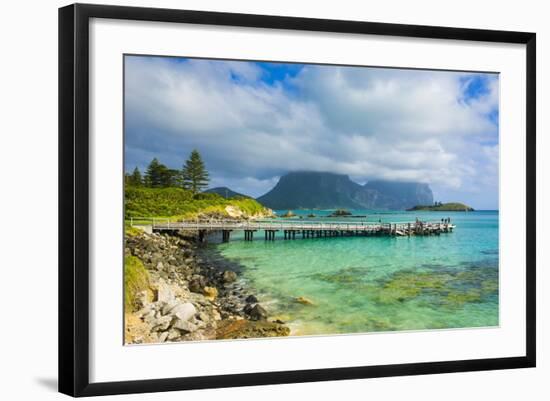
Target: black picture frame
{"x":74,"y":198}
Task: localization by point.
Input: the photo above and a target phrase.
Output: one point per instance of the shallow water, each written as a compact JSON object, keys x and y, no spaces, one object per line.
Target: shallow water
{"x":364,"y":284}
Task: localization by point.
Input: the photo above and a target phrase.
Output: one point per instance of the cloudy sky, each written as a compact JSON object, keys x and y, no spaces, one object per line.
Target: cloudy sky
{"x":254,"y":121}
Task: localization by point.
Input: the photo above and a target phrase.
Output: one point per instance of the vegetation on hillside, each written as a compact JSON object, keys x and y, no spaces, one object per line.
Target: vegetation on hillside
{"x":443,"y":207}
{"x":136,"y":280}
{"x":165,"y":192}
{"x":181,"y":203}
{"x":225,"y":192}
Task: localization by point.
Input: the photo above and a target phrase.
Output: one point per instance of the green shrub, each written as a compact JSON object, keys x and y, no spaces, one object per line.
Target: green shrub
{"x":130,"y":231}
{"x":179,"y":202}
{"x":206,"y":196}
{"x":136,"y":279}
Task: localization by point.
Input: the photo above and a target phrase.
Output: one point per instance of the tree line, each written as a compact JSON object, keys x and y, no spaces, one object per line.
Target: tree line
{"x":193,"y":175}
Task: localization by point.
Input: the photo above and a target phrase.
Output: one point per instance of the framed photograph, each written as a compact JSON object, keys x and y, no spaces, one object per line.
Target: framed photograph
{"x":251,"y":199}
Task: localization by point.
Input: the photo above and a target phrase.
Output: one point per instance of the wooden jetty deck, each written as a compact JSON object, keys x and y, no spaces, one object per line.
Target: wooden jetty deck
{"x":292,"y":229}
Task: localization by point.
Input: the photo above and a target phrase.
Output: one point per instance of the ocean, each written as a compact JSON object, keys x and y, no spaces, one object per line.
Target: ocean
{"x":373,"y":284}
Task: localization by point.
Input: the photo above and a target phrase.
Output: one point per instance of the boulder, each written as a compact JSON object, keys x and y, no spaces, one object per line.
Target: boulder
{"x":203,"y":316}
{"x":197,"y":284}
{"x":234,"y":329}
{"x":164,"y":292}
{"x":184,"y":311}
{"x":149,"y":317}
{"x":229,"y":276}
{"x":256,"y":312}
{"x":145,"y":311}
{"x":185,"y":326}
{"x":173,"y":334}
{"x":162,"y":323}
{"x":210,"y":292}
{"x":251,"y":299}
{"x":163,"y":336}
{"x":167,"y":307}
{"x":304,"y":301}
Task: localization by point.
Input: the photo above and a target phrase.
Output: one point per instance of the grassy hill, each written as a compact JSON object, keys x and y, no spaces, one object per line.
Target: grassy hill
{"x":225,"y":192}
{"x":181,"y":203}
{"x":444,"y":207}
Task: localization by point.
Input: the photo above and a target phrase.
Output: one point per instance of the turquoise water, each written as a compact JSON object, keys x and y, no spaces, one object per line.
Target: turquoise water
{"x":365,"y":284}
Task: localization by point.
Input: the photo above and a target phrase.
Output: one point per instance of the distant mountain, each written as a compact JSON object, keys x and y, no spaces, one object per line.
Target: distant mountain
{"x":313,"y":190}
{"x":225,"y":192}
{"x":400,"y":195}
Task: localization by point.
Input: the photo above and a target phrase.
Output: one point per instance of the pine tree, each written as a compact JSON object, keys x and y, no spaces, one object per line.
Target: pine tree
{"x":135,"y":178}
{"x":155,"y":174}
{"x":127,"y":179}
{"x":194,"y":174}
{"x":172,"y":178}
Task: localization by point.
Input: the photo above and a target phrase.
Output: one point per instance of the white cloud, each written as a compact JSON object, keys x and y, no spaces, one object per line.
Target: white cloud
{"x":368,"y":123}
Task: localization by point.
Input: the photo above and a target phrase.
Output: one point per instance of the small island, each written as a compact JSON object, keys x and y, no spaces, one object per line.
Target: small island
{"x":340,"y":213}
{"x":442,"y":207}
{"x":288,"y":214}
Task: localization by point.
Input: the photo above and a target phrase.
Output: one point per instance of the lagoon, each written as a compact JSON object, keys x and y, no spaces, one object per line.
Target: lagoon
{"x":367,"y":284}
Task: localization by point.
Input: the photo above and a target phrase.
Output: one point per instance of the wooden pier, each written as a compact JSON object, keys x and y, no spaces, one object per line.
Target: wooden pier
{"x":293,"y":230}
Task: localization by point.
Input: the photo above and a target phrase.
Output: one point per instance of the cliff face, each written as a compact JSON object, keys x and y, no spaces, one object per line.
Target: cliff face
{"x":400,"y":195}
{"x":309,"y":190}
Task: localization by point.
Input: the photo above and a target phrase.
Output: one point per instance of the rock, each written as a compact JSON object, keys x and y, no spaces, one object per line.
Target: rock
{"x":162,"y":323}
{"x":197,"y":284}
{"x":145,"y":311}
{"x":229,"y":276}
{"x":164,"y":292}
{"x":156,"y":258}
{"x":255,"y":312}
{"x":160,"y":266}
{"x":203,"y":317}
{"x":233,"y":329}
{"x":163,"y":337}
{"x":184,"y":311}
{"x":304,"y":301}
{"x":251,"y":299}
{"x":173,"y":334}
{"x":142,"y":299}
{"x":149,"y":317}
{"x":210,"y":292}
{"x":167,"y":307}
{"x":186,"y":326}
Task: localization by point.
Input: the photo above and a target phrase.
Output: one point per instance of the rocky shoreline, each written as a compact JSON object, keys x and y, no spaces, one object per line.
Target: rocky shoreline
{"x":190,"y":296}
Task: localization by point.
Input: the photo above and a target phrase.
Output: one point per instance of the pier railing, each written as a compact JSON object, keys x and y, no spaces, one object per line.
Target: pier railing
{"x":160,"y":224}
